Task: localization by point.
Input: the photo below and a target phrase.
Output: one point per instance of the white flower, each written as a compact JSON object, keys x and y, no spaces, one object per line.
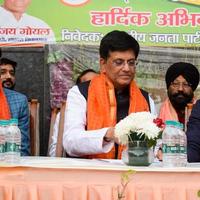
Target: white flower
{"x":140,"y":123}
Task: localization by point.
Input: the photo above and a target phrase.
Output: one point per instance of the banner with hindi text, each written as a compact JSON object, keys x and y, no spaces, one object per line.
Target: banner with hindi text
{"x":152,"y":23}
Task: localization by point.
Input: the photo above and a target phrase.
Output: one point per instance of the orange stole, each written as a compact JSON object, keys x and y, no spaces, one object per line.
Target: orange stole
{"x":4,"y":107}
{"x":102,"y":108}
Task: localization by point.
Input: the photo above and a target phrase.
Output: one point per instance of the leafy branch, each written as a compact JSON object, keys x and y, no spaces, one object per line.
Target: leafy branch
{"x":125,"y":179}
{"x":198,"y":193}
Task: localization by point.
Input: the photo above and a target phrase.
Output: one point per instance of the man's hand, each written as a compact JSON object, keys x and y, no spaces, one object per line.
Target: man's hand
{"x":110,"y":136}
{"x":159,"y":154}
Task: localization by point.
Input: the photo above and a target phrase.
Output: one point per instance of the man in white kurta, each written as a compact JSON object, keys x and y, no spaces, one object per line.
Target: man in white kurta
{"x":93,"y":108}
{"x":75,"y":122}
{"x":85,"y":75}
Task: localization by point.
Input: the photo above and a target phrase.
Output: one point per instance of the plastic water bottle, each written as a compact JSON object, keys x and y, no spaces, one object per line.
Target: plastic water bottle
{"x":170,"y":144}
{"x":13,"y":142}
{"x":3,"y":129}
{"x":183,"y":147}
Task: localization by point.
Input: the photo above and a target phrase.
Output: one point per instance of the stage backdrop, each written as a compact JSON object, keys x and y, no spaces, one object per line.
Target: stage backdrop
{"x":71,"y":30}
{"x":66,"y":62}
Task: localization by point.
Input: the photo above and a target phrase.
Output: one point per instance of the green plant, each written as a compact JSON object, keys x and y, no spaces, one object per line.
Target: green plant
{"x":198,"y":193}
{"x":125,"y":179}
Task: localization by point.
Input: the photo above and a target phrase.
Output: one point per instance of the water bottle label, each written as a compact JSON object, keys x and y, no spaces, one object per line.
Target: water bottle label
{"x":170,"y":149}
{"x":12,"y":147}
{"x":2,"y":148}
{"x":183,"y":149}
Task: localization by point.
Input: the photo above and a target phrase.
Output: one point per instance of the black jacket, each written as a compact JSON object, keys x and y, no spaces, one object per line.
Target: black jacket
{"x":193,"y":134}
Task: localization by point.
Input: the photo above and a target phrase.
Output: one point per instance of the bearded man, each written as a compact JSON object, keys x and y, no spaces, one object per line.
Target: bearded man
{"x":15,"y":105}
{"x":181,"y":79}
{"x":7,"y":71}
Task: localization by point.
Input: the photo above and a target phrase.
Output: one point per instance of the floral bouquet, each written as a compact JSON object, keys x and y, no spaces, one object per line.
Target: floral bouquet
{"x":139,"y":126}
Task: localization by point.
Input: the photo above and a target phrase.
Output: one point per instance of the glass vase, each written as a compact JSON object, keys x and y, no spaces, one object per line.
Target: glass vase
{"x":137,"y":153}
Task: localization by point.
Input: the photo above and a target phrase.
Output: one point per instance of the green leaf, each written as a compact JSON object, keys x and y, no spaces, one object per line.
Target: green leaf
{"x":55,"y":57}
{"x":198,"y":193}
{"x":136,"y":136}
{"x":141,"y":137}
{"x":151,"y":142}
{"x":126,"y":175}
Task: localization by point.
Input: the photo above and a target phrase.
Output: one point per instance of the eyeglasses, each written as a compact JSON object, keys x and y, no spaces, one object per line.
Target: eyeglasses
{"x":122,"y":63}
{"x":185,"y":85}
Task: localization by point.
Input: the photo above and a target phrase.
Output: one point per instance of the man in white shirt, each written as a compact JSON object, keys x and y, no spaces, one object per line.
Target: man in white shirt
{"x":93,"y":108}
{"x":85,"y":75}
{"x":18,"y":27}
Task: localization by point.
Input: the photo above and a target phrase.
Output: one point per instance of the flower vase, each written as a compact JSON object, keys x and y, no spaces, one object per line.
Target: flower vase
{"x":137,"y":153}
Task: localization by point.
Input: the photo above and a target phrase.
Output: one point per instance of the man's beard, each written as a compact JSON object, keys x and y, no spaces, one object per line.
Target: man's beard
{"x":8,"y":84}
{"x":180,"y":100}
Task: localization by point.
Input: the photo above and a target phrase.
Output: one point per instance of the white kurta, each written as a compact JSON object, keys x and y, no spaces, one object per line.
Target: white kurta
{"x":76,"y":140}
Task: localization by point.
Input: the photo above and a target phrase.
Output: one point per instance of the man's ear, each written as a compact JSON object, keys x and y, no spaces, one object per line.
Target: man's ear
{"x":102,"y":62}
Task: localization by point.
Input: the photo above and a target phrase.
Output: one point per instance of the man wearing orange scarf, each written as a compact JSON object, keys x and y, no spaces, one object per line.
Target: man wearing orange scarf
{"x":94,"y":107}
{"x":15,"y":105}
{"x":4,"y":107}
{"x":181,"y":79}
